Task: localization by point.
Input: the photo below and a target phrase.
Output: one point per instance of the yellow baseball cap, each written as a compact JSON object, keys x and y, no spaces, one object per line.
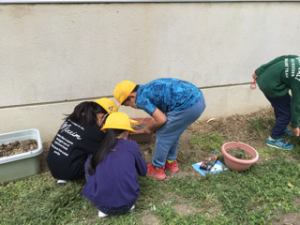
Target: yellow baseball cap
{"x":123,"y":90}
{"x":107,"y":104}
{"x":119,"y":120}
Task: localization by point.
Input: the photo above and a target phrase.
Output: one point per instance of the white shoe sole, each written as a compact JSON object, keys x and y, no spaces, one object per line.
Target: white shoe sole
{"x":272,"y":146}
{"x":101,"y":214}
{"x":62,"y":181}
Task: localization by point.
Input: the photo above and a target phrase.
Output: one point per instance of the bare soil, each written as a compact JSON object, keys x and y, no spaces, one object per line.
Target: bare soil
{"x":232,"y":128}
{"x":148,"y":218}
{"x":139,"y":126}
{"x":17,"y":147}
{"x":235,"y":152}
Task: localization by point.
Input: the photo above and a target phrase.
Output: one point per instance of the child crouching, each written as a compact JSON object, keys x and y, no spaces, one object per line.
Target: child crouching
{"x":113,"y":185}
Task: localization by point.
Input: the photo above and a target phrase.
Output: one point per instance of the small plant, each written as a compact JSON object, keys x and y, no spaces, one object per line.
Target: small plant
{"x":239,"y":154}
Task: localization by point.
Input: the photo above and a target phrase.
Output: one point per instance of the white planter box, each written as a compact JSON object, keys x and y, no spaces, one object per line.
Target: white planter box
{"x":24,"y":164}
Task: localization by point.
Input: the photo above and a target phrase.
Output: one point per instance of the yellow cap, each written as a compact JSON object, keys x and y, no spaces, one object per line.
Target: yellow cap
{"x":123,"y":90}
{"x":120,"y":121}
{"x":107,"y":104}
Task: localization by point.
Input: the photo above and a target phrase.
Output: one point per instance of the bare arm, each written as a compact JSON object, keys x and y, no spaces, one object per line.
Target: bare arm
{"x":159,"y":120}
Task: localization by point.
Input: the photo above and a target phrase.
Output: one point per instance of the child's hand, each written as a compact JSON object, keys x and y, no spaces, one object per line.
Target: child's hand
{"x":295,"y":131}
{"x":254,"y":76}
{"x":147,"y":130}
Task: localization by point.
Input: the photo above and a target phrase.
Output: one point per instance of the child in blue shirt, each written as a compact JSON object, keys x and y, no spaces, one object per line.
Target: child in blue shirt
{"x":112,"y":179}
{"x":174,"y":104}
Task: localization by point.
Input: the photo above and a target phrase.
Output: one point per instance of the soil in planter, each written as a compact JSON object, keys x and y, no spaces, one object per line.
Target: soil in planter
{"x":18,"y":147}
{"x":239,"y":153}
{"x":139,"y":126}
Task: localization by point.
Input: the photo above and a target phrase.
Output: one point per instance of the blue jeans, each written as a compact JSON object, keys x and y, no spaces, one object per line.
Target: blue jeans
{"x":282,"y":111}
{"x":168,"y":135}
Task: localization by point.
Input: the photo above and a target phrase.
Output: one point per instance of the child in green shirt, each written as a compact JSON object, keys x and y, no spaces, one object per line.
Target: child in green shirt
{"x":275,"y":79}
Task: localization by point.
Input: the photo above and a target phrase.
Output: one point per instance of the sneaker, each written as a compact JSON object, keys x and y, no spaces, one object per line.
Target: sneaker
{"x":279,"y":143}
{"x":101,"y":214}
{"x":132,"y":208}
{"x":172,"y":166}
{"x":62,"y":181}
{"x":157,"y":173}
{"x":288,"y":133}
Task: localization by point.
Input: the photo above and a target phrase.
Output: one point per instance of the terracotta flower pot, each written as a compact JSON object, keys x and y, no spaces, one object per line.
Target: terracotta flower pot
{"x":235,"y":163}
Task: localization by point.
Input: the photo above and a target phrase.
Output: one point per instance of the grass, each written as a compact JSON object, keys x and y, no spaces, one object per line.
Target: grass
{"x":262,"y":125}
{"x":206,"y":141}
{"x":263,"y":194}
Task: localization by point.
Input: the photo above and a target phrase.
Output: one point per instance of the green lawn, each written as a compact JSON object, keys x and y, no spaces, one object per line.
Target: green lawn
{"x":265,"y":194}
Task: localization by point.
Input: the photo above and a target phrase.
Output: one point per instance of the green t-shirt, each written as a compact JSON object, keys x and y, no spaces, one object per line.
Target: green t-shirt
{"x":277,"y":77}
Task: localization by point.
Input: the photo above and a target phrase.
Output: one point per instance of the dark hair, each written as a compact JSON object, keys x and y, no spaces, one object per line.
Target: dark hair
{"x":85,"y":113}
{"x":108,"y":143}
{"x":134,"y":90}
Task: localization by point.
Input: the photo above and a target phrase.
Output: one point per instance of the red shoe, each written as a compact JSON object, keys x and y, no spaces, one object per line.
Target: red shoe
{"x":172,"y":167}
{"x":157,"y":173}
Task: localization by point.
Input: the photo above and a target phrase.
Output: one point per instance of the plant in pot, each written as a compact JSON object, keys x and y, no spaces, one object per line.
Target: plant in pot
{"x":239,"y":156}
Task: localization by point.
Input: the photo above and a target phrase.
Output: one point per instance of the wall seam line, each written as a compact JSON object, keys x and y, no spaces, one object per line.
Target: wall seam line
{"x":109,"y":96}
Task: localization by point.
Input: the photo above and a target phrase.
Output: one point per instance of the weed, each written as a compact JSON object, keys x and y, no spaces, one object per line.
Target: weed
{"x":261,"y":125}
{"x":239,"y":154}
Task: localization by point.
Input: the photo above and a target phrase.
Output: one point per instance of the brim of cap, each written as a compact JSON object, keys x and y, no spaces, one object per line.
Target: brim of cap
{"x":133,"y":121}
{"x":118,"y":128}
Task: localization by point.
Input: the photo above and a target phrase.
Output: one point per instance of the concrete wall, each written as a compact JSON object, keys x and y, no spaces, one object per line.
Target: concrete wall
{"x":54,"y":56}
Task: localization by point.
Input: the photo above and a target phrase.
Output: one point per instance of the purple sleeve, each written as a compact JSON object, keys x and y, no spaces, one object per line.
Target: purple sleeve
{"x":140,"y":164}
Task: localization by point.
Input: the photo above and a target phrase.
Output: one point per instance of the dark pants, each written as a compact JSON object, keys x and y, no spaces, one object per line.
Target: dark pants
{"x":282,"y":110}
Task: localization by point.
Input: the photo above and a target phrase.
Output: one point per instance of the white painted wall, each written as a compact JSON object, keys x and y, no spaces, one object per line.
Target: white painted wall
{"x":54,"y":56}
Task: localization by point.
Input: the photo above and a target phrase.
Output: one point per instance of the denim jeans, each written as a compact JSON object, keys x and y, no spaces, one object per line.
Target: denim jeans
{"x":168,"y":135}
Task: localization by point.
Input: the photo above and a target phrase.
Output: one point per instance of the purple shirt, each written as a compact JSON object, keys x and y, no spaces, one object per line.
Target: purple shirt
{"x":115,"y":182}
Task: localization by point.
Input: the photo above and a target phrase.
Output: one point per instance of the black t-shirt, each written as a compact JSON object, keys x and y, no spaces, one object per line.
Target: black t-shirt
{"x":69,"y":149}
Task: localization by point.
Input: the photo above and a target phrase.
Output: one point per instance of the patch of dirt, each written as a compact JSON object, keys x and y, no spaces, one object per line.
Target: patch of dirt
{"x":185,"y":209}
{"x":239,"y":153}
{"x":17,"y":147}
{"x":148,"y":218}
{"x":213,"y":211}
{"x":232,"y":128}
{"x":139,"y":126}
{"x":297,"y":202}
{"x":286,"y":219}
{"x":211,"y":208}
